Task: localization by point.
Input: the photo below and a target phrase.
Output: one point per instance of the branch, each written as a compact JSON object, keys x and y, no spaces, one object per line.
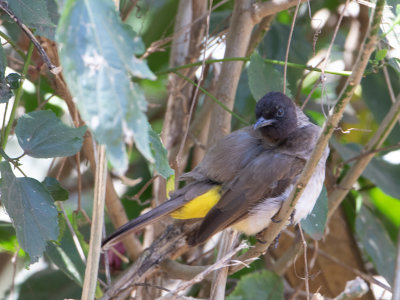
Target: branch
{"x":221,"y":263}
{"x":336,"y":114}
{"x":92,"y":265}
{"x":237,"y":43}
{"x":261,"y":10}
{"x":173,"y":240}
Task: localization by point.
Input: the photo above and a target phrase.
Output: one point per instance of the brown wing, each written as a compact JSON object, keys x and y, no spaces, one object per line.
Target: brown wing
{"x":266,"y":176}
{"x":228,"y":156}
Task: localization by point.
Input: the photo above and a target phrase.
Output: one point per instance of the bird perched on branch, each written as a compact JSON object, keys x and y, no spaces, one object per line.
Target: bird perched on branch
{"x":245,"y":177}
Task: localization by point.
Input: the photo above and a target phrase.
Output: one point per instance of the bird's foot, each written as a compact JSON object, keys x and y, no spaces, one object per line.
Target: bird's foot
{"x":260,"y":239}
{"x":275,"y":220}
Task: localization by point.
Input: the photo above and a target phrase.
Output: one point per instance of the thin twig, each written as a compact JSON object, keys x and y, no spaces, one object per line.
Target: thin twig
{"x":396,"y":282}
{"x":14,"y":264}
{"x":306,"y":275}
{"x":75,"y":238}
{"x":196,"y":91}
{"x":55,"y":70}
{"x":387,"y":148}
{"x":288,"y":45}
{"x":246,"y":58}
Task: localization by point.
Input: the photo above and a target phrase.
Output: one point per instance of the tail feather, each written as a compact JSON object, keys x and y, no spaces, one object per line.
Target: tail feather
{"x":142,"y":221}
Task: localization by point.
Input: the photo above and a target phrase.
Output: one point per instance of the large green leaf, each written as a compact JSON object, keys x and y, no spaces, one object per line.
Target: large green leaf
{"x":31,"y":210}
{"x":34,"y":14}
{"x":383,"y":174}
{"x":258,"y":285}
{"x":314,"y":224}
{"x":376,"y":243}
{"x":97,"y":54}
{"x":42,"y":135}
{"x":160,"y":155}
{"x":264,"y":78}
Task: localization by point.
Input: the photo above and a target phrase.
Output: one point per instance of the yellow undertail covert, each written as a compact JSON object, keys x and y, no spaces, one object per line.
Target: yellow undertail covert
{"x":199,"y":206}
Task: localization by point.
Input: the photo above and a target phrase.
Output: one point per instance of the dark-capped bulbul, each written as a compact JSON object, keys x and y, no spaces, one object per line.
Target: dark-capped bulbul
{"x":245,"y":177}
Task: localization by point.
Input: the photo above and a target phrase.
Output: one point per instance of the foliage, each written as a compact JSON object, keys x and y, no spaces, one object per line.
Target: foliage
{"x":121,"y":90}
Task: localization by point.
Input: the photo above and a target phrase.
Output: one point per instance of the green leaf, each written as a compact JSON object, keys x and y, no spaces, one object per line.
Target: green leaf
{"x":31,"y":210}
{"x":380,"y":54}
{"x":57,"y":192}
{"x":66,"y":257}
{"x":314,"y":224}
{"x":263,"y":78}
{"x":49,"y":284}
{"x":5,"y":91}
{"x":258,"y":285}
{"x":383,"y":174}
{"x":161,"y":156}
{"x":387,"y":205}
{"x":376,"y":243}
{"x":42,"y":135}
{"x":34,"y":14}
{"x":97,"y":54}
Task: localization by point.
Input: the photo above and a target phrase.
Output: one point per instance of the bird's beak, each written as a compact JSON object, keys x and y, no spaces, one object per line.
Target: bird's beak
{"x":261,"y":122}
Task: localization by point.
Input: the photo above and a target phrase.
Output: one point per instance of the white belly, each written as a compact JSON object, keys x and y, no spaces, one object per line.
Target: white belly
{"x":260,"y":216}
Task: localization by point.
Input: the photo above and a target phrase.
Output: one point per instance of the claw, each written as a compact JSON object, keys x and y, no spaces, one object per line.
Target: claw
{"x":274,"y":220}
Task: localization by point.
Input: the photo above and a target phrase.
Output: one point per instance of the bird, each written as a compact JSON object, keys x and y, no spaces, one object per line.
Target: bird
{"x":245,"y":177}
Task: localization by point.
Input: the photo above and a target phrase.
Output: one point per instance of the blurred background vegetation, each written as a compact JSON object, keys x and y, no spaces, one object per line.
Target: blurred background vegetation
{"x":361,"y":239}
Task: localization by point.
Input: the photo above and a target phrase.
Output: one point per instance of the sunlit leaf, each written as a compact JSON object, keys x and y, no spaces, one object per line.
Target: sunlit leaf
{"x":387,"y":205}
{"x":97,"y":53}
{"x":31,"y":210}
{"x":42,"y":135}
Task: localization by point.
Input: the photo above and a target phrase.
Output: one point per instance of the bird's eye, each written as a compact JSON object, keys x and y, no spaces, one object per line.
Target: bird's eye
{"x":280,"y":112}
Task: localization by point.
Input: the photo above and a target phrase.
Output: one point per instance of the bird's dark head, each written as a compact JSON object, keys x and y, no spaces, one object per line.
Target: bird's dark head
{"x":276,"y":116}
